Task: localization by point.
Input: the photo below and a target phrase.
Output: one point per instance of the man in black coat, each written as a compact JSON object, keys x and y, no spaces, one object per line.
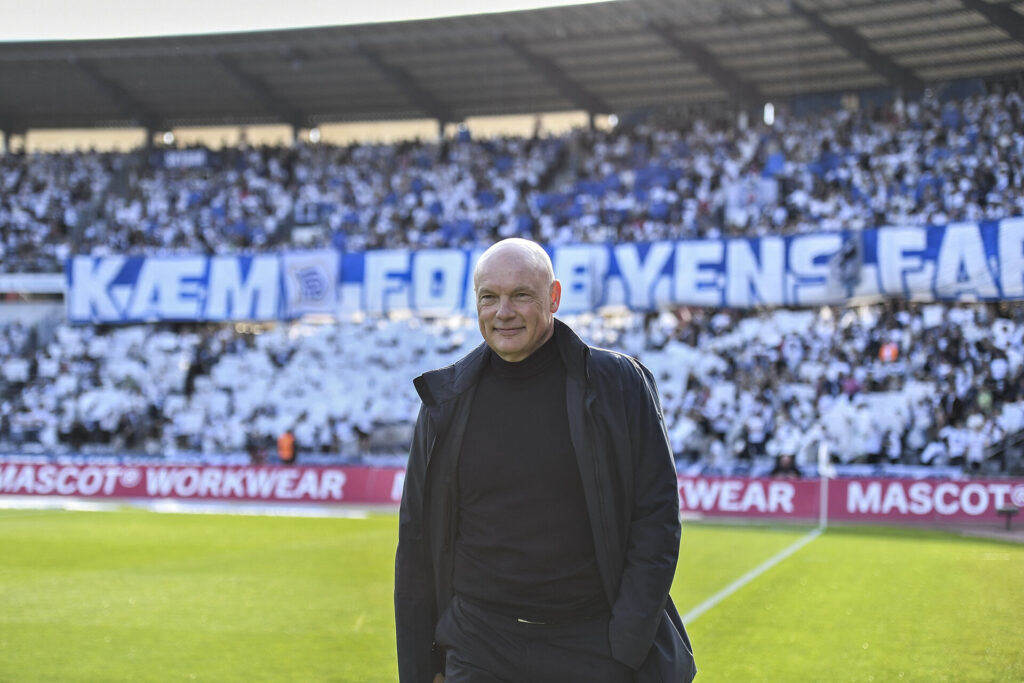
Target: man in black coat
{"x":539,"y":527}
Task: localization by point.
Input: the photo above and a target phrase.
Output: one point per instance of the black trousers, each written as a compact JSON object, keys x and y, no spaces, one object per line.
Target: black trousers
{"x":483,"y":646}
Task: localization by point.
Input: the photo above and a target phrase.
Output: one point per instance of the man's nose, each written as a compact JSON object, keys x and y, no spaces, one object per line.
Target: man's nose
{"x":505,"y":308}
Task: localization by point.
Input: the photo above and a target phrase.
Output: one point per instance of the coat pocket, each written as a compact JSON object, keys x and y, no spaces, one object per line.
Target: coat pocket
{"x":670,"y":659}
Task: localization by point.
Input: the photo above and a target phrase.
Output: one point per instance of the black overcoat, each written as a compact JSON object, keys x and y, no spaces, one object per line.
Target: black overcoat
{"x":630,"y":486}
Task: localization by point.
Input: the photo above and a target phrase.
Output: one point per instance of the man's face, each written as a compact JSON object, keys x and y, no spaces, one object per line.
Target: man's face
{"x":515,"y":304}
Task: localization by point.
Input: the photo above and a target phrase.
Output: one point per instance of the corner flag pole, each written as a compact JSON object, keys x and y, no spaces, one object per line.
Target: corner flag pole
{"x":824,"y":472}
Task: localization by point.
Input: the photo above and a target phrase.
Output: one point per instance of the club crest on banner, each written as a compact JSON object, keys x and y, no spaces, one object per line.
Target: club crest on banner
{"x":310,"y":282}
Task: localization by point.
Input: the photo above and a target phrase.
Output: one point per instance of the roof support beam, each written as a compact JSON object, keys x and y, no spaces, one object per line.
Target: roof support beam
{"x":262,"y":92}
{"x":1002,"y":16}
{"x":121,"y":97}
{"x":7,"y":125}
{"x":741,"y":90}
{"x":573,"y":91}
{"x":858,"y":47}
{"x":410,"y":86}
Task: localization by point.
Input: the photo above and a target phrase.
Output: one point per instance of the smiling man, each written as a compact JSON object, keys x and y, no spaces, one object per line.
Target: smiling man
{"x":516,"y":298}
{"x":539,"y":527}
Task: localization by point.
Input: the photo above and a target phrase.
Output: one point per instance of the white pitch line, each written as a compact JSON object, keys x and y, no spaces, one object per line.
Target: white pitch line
{"x":181,"y":507}
{"x":749,"y":576}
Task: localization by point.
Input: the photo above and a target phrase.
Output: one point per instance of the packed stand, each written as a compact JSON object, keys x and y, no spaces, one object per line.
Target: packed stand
{"x":914,"y":384}
{"x":922,"y":162}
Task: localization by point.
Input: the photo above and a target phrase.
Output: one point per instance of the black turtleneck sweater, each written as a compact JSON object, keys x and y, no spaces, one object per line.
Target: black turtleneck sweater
{"x":524,"y":545}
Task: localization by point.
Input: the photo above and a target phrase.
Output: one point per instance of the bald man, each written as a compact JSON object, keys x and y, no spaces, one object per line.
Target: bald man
{"x":539,"y":527}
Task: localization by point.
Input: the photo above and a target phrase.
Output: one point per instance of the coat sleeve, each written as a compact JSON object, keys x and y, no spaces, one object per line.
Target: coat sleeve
{"x":654,"y":526}
{"x":415,"y":604}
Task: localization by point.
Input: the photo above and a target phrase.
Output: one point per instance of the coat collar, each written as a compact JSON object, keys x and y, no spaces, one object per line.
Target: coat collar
{"x":444,"y":384}
{"x":575,"y":353}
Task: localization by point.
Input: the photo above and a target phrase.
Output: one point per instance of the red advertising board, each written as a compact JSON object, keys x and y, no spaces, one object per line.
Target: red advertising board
{"x":747,"y":497}
{"x":362,"y":485}
{"x":849,"y":499}
{"x":922,"y":500}
{"x":855,"y":499}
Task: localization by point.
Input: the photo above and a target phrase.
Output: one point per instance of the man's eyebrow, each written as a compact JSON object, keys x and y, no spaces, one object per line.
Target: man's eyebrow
{"x":515,"y":290}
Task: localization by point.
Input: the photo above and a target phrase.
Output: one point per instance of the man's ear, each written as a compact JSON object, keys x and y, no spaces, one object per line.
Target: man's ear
{"x":556,"y":295}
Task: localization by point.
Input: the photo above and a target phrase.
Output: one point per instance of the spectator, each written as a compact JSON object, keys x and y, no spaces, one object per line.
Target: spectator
{"x":785,"y":467}
{"x":286,"y":450}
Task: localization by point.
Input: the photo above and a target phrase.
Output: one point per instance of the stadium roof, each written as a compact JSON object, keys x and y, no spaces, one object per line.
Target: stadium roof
{"x":610,"y":57}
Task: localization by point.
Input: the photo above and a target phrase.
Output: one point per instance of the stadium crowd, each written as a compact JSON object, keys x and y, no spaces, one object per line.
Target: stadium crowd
{"x":914,"y":163}
{"x":895,"y":383}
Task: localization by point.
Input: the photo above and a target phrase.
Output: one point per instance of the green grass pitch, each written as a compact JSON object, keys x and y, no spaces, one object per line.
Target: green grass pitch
{"x":139,"y":596}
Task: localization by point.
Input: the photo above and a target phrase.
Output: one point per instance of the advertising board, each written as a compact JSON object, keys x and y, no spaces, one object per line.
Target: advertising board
{"x":856,"y":499}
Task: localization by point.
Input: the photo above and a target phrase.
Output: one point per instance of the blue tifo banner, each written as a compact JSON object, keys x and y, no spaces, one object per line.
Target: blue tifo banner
{"x":962,"y":261}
